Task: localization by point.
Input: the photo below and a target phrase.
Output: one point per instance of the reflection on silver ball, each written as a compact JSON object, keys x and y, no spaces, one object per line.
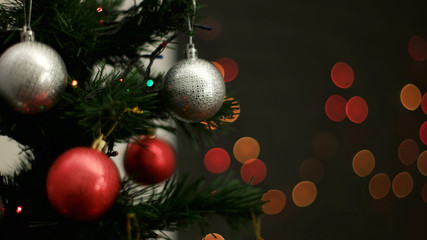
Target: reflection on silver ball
{"x":193,"y":90}
{"x":32,"y":77}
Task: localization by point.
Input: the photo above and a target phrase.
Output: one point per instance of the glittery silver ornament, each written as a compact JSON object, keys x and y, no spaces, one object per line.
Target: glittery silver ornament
{"x":32,"y":77}
{"x":193,"y":89}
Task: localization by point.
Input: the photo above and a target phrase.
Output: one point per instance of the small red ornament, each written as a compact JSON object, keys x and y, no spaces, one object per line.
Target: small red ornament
{"x":83,"y":184}
{"x":150,"y":160}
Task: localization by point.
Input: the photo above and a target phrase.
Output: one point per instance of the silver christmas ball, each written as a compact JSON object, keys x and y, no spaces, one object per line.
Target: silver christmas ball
{"x":193,"y":90}
{"x":32,"y":77}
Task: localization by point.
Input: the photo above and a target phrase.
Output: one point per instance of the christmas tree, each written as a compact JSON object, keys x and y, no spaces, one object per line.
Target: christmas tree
{"x":64,"y":104}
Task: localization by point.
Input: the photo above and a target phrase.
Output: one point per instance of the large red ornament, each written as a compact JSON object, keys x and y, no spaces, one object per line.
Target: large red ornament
{"x":150,"y":160}
{"x":83,"y":184}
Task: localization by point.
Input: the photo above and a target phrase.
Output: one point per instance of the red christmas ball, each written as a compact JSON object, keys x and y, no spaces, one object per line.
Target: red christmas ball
{"x":150,"y":160}
{"x":83,"y":184}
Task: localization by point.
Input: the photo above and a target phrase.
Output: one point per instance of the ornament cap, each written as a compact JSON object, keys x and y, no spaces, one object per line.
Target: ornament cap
{"x":191,"y":51}
{"x":27,"y":34}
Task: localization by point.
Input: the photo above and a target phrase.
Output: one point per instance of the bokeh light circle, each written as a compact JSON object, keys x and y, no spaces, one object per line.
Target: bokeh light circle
{"x":408,"y":151}
{"x":424,"y":103}
{"x":356,"y":109}
{"x":402,"y":184}
{"x":379,"y":186}
{"x":217,"y":160}
{"x":335,"y":108}
{"x":311,"y":169}
{"x":275,"y":201}
{"x":342,"y":75}
{"x":231,"y":69}
{"x":424,"y":192}
{"x":246,"y":148}
{"x":304,"y":193}
{"x":410,"y":97}
{"x":422,"y":163}
{"x":417,"y":48}
{"x":423,"y":133}
{"x":254,"y":169}
{"x":325,"y":145}
{"x":363,"y":163}
{"x":213,"y":236}
{"x":220,"y":68}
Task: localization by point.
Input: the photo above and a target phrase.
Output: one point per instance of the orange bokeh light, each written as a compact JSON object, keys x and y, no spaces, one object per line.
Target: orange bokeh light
{"x":423,"y":133}
{"x":356,"y":109}
{"x":304,"y":193}
{"x":230,"y":68}
{"x":424,"y":103}
{"x":325,"y":145}
{"x":275,"y":201}
{"x":417,"y":48}
{"x":213,"y":236}
{"x":311,"y":169}
{"x":422,"y":163}
{"x":410,"y":97}
{"x":253,"y":169}
{"x":408,"y":151}
{"x":402,"y":184}
{"x":220,"y":68}
{"x":363,"y":163}
{"x":246,"y":148}
{"x":217,"y":160}
{"x":335,"y":108}
{"x":342,"y":75}
{"x":379,"y":186}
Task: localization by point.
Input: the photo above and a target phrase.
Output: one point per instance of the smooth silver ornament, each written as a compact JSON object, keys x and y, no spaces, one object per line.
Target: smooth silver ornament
{"x":32,"y":77}
{"x":193,"y":89}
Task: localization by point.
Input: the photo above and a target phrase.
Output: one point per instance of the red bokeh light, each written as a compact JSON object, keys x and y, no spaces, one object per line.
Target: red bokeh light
{"x":342,"y":75}
{"x":230,"y":68}
{"x":423,"y":133}
{"x":253,"y":168}
{"x":417,"y":48}
{"x":356,"y":109}
{"x":18,"y":210}
{"x":335,"y":108}
{"x":217,"y":160}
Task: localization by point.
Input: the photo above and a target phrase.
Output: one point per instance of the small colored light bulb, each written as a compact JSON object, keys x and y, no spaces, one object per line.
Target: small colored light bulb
{"x":99,"y":9}
{"x":74,"y":83}
{"x":18,"y":210}
{"x":150,"y":83}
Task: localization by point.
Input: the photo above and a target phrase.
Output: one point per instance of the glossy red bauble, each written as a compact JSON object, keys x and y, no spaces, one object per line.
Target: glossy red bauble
{"x":150,"y":160}
{"x":83,"y":184}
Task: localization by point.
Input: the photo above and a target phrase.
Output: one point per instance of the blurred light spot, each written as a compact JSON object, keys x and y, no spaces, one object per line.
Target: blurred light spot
{"x":417,"y":48}
{"x":424,"y":103}
{"x":74,"y":83}
{"x":217,"y":160}
{"x":213,"y":236}
{"x":99,"y":9}
{"x":235,"y":108}
{"x":325,"y":145}
{"x":363,"y":163}
{"x":255,"y":169}
{"x":356,"y":109}
{"x":209,"y":34}
{"x":246,"y":148}
{"x":379,"y":186}
{"x":408,"y":151}
{"x":230,"y":68}
{"x":424,"y":192}
{"x":410,"y":96}
{"x":220,"y":68}
{"x":342,"y":75}
{"x":311,"y":169}
{"x":335,"y":108}
{"x":18,"y":210}
{"x":275,"y":202}
{"x":150,"y":83}
{"x":304,"y":193}
{"x":422,"y":163}
{"x":402,"y":184}
{"x":423,"y":133}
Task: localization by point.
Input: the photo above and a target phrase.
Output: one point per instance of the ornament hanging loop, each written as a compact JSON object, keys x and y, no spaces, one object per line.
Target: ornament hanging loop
{"x":191,"y":51}
{"x":27,"y":34}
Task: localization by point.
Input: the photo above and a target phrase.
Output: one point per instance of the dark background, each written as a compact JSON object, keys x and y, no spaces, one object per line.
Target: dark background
{"x":285,"y":51}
